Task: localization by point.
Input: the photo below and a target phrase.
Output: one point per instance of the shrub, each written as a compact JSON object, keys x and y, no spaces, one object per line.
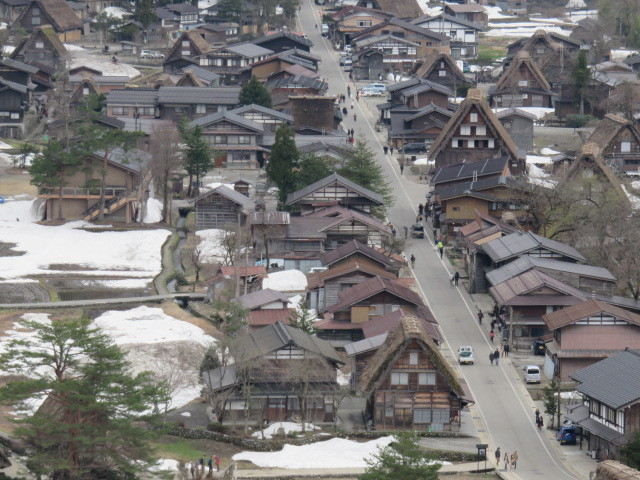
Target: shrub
{"x":577,"y":121}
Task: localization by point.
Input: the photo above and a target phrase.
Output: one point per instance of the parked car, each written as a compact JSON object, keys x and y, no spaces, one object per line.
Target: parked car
{"x":417,"y":231}
{"x":465,"y":355}
{"x":150,"y":54}
{"x":371,"y":92}
{"x":343,"y":58}
{"x":416,"y":147}
{"x":539,"y":347}
{"x":348,"y":49}
{"x":324,"y":30}
{"x":567,"y":434}
{"x":348,"y":65}
{"x":532,"y":374}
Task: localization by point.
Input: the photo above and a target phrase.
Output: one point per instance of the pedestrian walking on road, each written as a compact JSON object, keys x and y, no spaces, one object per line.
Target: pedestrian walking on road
{"x":352,"y":104}
{"x":413,"y":261}
{"x":491,"y":357}
{"x":210,"y":464}
{"x":514,"y":460}
{"x":506,"y":349}
{"x":537,"y":415}
{"x":355,"y":116}
{"x":540,"y":422}
{"x":480,"y":317}
{"x":391,"y":150}
{"x":496,"y":356}
{"x":440,"y":248}
{"x":349,"y":90}
{"x":401,"y":168}
{"x":393,"y":232}
{"x":506,"y":461}
{"x":386,"y":149}
{"x":345,"y":111}
{"x":498,"y":456}
{"x":456,"y":277}
{"x":491,"y":335}
{"x":358,"y":96}
{"x":217,"y":458}
{"x":420,"y":209}
{"x":406,"y":232}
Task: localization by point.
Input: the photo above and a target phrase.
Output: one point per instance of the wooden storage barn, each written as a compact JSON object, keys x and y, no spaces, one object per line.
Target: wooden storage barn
{"x":409,"y":385}
{"x":220,"y":207}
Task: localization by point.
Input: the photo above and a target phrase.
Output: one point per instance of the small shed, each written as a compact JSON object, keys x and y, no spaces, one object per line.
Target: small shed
{"x":220,"y":207}
{"x":130,"y":48}
{"x":242,"y":186}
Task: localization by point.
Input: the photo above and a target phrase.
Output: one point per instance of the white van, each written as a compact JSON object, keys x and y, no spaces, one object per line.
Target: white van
{"x":532,"y":374}
{"x":324,"y":31}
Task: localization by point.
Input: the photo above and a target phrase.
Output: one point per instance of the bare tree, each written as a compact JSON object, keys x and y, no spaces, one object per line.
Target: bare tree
{"x":216,"y":370}
{"x":164,"y":146}
{"x":305,"y":376}
{"x":196,"y":261}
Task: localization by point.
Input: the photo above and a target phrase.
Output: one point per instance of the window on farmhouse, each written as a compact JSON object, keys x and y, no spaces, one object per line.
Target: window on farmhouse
{"x":399,"y":378}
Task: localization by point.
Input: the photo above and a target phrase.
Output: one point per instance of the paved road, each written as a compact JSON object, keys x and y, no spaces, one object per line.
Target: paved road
{"x":503,"y":405}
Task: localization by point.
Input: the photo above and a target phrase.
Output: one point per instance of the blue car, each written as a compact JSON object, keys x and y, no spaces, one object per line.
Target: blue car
{"x":567,"y":435}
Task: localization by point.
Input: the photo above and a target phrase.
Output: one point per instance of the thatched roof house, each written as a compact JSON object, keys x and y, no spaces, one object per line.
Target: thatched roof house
{"x":619,"y":142}
{"x":56,"y":13}
{"x":409,"y":369}
{"x":612,"y":470}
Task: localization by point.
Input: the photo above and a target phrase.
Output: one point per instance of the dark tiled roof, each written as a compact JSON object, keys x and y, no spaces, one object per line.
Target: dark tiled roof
{"x":24,"y":67}
{"x":463,"y":171}
{"x":228,"y":116}
{"x":425,"y":86}
{"x":514,"y":291}
{"x":334,"y":177}
{"x":260,"y":298}
{"x":519,"y":243}
{"x":448,"y":18}
{"x":472,"y":188}
{"x":201,"y":73}
{"x":352,"y":247}
{"x":226,"y":192}
{"x":248,"y":50}
{"x":525,"y":263}
{"x":259,"y":108}
{"x":614,"y":381}
{"x":131,"y":96}
{"x":291,"y":36}
{"x":373,"y":286}
{"x":299,"y":81}
{"x":277,"y":336}
{"x":199,"y":95}
{"x":426,"y":110}
{"x":586,"y":309}
{"x":366,"y":345}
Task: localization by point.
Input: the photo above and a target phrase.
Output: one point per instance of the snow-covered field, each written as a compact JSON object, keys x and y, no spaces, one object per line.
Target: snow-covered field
{"x":210,"y":251}
{"x":88,"y":58}
{"x":69,"y":250}
{"x":287,"y":427}
{"x":341,"y":453}
{"x":154,"y":341}
{"x":286,"y":281}
{"x":523,"y":29}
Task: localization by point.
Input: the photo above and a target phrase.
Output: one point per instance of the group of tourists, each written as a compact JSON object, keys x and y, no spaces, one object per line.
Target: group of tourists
{"x":510,"y":461}
{"x":197,"y":467}
{"x":539,"y":420}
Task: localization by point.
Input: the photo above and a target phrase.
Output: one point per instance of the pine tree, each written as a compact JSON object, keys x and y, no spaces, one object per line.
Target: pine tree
{"x":283,"y":160}
{"x":198,"y":153}
{"x":255,"y":92}
{"x":361,"y":167}
{"x":304,"y":319}
{"x":144,"y":12}
{"x":230,"y":10}
{"x":581,"y":75}
{"x":311,"y":168}
{"x":53,"y":167}
{"x":93,"y":406}
{"x":402,"y":459}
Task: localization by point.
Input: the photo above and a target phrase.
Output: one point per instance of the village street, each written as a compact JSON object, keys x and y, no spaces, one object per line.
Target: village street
{"x":504,"y":407}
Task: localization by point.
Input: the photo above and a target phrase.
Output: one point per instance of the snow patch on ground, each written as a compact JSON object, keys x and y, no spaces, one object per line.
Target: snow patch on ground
{"x":133,"y":253}
{"x":73,"y":48}
{"x":495,"y":13}
{"x":133,"y":283}
{"x":427,"y":10}
{"x":116,"y":12}
{"x":286,"y":281}
{"x":154,"y":341}
{"x":424,"y":161}
{"x":343,"y":378}
{"x":165,"y":464}
{"x":635,"y":200}
{"x":288,"y":427}
{"x":537,"y":159}
{"x":217,"y":184}
{"x":636,"y":184}
{"x":538,"y":176}
{"x":524,"y":31}
{"x":153,"y":213}
{"x":620,"y":54}
{"x":210,"y":250}
{"x":339,"y":452}
{"x":549,"y":151}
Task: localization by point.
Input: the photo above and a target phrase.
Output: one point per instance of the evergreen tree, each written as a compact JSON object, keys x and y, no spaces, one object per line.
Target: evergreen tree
{"x":550,"y":397}
{"x":90,"y":419}
{"x":230,"y":10}
{"x":304,"y":319}
{"x":144,"y":12}
{"x":198,"y":152}
{"x":255,"y":92}
{"x":284,"y":159}
{"x":361,"y":167}
{"x":53,"y":167}
{"x":311,"y":168}
{"x":581,"y":76}
{"x":402,"y":459}
{"x":631,"y":451}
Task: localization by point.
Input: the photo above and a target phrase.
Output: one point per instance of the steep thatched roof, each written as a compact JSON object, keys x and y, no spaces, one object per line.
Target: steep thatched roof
{"x":510,"y":76}
{"x":400,"y":9}
{"x":198,"y":43}
{"x":608,"y":129}
{"x":612,"y":470}
{"x":190,"y":79}
{"x":591,"y":157}
{"x":432,"y":60}
{"x":409,"y":329}
{"x":59,"y":12}
{"x":475,"y":98}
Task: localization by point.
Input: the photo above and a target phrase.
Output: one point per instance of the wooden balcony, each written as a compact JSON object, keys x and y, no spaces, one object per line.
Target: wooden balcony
{"x":79,"y":192}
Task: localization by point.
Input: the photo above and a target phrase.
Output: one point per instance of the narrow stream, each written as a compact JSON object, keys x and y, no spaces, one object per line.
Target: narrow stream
{"x":177,"y":264}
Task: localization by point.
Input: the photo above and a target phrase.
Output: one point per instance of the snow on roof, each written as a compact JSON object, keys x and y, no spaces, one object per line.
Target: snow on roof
{"x":495,"y":13}
{"x":424,"y":161}
{"x":621,"y":54}
{"x":539,"y":177}
{"x":286,"y":281}
{"x":272,"y":429}
{"x":549,"y":151}
{"x":538,"y":159}
{"x":135,"y":253}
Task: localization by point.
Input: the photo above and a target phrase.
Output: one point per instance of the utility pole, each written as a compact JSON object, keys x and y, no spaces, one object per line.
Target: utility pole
{"x":236,"y":267}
